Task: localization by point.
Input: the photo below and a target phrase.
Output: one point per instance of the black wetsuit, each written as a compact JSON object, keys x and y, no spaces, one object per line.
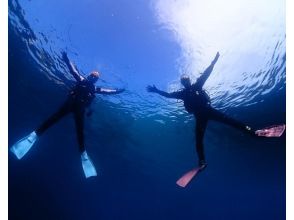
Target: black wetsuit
{"x":197,"y":102}
{"x":79,"y":98}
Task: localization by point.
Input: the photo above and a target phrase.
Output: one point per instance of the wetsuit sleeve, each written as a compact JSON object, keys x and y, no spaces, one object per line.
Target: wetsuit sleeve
{"x":72,"y":69}
{"x":108,"y":91}
{"x":204,"y":76}
{"x":173,"y":95}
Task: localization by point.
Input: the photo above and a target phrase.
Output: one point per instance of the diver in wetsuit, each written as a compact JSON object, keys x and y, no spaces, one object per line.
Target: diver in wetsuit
{"x":197,"y":102}
{"x":79,"y":98}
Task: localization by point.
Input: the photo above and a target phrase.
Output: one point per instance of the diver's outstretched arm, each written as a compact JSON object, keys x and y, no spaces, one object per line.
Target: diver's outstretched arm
{"x":72,"y":69}
{"x":204,"y":76}
{"x":109,"y":91}
{"x":174,"y":95}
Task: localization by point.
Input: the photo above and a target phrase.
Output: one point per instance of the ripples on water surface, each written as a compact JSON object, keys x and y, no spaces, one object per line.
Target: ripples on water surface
{"x":252,"y":47}
{"x":149,"y":138}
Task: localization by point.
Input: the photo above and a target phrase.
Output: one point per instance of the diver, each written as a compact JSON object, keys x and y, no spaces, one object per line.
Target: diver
{"x":197,"y":102}
{"x":79,"y":99}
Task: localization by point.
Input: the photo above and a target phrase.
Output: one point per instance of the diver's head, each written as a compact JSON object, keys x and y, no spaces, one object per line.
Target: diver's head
{"x":185,"y":80}
{"x":93,"y":76}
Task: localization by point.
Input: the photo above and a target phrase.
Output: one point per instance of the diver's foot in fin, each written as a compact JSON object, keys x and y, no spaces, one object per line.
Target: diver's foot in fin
{"x":202,"y":164}
{"x":21,"y":147}
{"x":88,"y":166}
{"x":272,"y":131}
{"x":187,"y":177}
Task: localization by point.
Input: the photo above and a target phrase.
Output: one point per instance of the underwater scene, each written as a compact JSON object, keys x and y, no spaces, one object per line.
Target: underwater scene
{"x":146,"y":91}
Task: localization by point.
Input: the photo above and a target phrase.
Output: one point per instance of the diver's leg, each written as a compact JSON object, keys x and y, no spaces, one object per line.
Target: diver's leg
{"x":87,"y":164}
{"x":201,"y":124}
{"x":61,"y":112}
{"x":79,"y":120}
{"x":22,"y":147}
{"x":272,"y":131}
{"x":223,"y":118}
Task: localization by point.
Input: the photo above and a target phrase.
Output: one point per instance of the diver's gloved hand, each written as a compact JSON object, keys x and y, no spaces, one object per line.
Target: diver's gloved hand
{"x":120,"y":90}
{"x":152,"y":88}
{"x":216,"y":57}
{"x":64,"y":56}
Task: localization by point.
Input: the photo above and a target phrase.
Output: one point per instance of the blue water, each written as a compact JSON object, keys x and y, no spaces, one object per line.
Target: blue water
{"x":141,"y":143}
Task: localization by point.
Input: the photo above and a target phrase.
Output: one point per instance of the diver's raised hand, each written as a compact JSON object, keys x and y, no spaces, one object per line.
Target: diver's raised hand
{"x":152,"y":88}
{"x":120,"y":90}
{"x":64,"y":56}
{"x":216,"y":57}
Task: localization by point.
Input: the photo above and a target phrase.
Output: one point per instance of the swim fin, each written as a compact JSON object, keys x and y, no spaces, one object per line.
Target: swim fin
{"x":272,"y":131}
{"x":21,"y":147}
{"x":187,"y":177}
{"x":88,"y":166}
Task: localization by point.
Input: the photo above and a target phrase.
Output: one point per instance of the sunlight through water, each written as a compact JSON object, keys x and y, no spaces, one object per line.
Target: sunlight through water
{"x":249,"y":34}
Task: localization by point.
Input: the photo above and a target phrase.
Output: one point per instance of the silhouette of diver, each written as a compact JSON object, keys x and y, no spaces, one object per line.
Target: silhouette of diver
{"x":80,"y":97}
{"x":197,"y":102}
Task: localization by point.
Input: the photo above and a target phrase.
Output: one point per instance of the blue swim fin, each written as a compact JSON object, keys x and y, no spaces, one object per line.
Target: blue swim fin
{"x":21,"y":147}
{"x":88,"y":166}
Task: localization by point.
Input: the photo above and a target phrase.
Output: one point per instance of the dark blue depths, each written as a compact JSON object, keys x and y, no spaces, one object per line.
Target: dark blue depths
{"x":138,"y":159}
